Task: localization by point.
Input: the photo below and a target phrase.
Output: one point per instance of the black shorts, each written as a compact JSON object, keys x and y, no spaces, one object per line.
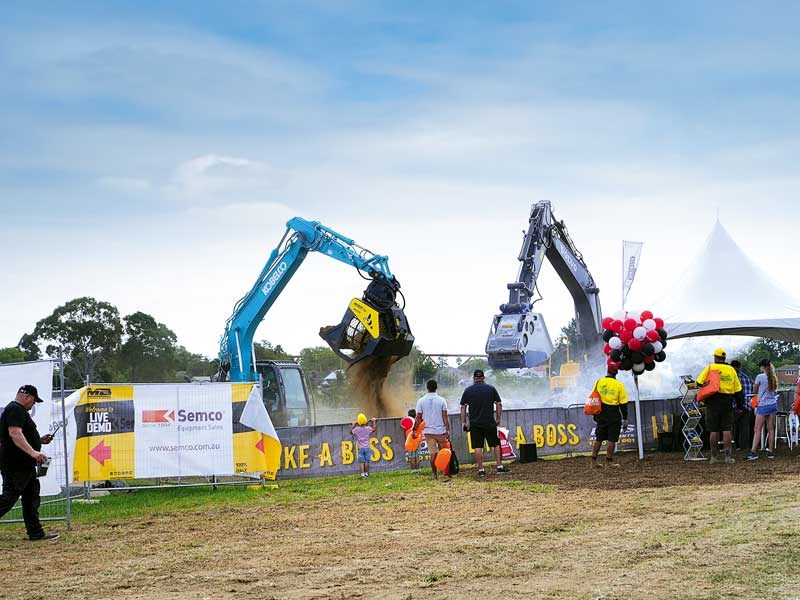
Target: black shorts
{"x":719,"y":413}
{"x":480,"y":433}
{"x":609,"y":424}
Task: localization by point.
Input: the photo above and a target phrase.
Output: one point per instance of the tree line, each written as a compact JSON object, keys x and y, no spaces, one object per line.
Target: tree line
{"x":98,"y":345}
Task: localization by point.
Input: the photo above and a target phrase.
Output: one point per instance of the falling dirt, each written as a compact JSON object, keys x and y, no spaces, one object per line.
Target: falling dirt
{"x":368,"y":380}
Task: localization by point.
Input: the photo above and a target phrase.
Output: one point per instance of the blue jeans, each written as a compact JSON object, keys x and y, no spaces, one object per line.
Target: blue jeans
{"x":364,"y":454}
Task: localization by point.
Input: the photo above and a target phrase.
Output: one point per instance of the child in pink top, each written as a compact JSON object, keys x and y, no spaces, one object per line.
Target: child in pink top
{"x":363,"y":432}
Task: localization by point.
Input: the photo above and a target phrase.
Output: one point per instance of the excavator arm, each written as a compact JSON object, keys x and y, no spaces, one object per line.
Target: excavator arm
{"x":518,"y":336}
{"x":373,"y":326}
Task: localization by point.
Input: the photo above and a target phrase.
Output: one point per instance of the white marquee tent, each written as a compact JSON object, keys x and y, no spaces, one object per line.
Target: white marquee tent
{"x":724,"y":292}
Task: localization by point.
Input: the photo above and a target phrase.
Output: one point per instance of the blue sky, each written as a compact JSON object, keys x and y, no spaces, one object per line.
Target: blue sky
{"x":153,"y":152}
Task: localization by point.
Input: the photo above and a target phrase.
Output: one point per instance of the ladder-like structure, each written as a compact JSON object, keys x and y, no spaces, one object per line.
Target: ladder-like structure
{"x":690,"y":420}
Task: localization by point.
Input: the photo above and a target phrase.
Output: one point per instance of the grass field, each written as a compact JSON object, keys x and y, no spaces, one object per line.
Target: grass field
{"x":551,"y":529}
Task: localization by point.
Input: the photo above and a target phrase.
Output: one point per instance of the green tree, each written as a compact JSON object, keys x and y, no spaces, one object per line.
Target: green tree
{"x":780,"y":352}
{"x":424,"y":366}
{"x":318,"y":361}
{"x":11,"y":355}
{"x":190,"y":364}
{"x":148,"y":353}
{"x":88,"y":333}
{"x":565,"y":346}
{"x":266,"y":351}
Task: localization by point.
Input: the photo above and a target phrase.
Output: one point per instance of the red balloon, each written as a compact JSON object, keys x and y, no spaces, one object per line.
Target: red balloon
{"x":406,"y":423}
{"x":659,"y":322}
{"x":635,"y":345}
{"x":646,"y":314}
{"x":625,"y":336}
{"x":607,"y":349}
{"x":617,"y":326}
{"x":630,"y":324}
{"x":652,"y":335}
{"x":607,"y":322}
{"x":649,"y":359}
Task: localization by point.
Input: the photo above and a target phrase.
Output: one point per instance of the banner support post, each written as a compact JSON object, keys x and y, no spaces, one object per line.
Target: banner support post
{"x":639,"y":441}
{"x":64,"y":438}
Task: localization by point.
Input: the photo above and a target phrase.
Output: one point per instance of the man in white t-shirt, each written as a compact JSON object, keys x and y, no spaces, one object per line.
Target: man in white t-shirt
{"x":432,"y":409}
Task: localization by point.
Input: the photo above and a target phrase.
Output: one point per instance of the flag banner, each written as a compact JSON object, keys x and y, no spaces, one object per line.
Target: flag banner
{"x":631,"y":253}
{"x":171,"y":430}
{"x":39,"y":374}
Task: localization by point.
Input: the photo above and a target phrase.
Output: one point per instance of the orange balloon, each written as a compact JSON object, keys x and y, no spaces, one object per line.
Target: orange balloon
{"x":442,"y":459}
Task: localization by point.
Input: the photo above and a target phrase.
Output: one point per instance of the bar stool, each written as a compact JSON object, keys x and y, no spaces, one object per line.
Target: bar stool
{"x":781,"y":431}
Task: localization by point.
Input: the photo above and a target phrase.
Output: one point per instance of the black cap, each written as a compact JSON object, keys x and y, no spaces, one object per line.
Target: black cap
{"x":477,"y":373}
{"x":31,"y":389}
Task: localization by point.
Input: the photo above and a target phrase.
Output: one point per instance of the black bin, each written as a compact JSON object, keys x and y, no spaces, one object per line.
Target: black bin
{"x":527,"y":453}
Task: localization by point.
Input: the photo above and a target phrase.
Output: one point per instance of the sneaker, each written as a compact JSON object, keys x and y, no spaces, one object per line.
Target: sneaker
{"x":713,"y":459}
{"x":596,"y":464}
{"x":612,"y":464}
{"x":415,"y":471}
{"x":363,"y":475}
{"x":481,"y":473}
{"x":751,"y":456}
{"x":770,"y":454}
{"x":503,"y":469}
{"x":45,"y":537}
{"x":445,"y":480}
{"x":729,"y":460}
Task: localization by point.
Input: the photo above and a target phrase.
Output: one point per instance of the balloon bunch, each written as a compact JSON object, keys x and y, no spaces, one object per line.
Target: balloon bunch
{"x":634,"y":341}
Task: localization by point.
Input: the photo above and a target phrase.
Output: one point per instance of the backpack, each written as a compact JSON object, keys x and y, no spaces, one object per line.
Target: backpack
{"x":452,"y":468}
{"x":711,"y":387}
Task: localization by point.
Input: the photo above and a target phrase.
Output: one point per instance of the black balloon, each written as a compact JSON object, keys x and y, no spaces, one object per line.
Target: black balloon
{"x":626,"y":352}
{"x":661,"y":356}
{"x":663,"y":344}
{"x":626,"y":364}
{"x":607,"y":335}
{"x":637,"y":357}
{"x":648,"y":349}
{"x":662,"y":333}
{"x":616,"y":355}
{"x":649,"y":366}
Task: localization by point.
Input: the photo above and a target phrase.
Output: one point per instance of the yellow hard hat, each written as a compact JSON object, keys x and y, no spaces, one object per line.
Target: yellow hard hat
{"x":719,"y":352}
{"x":361,"y":419}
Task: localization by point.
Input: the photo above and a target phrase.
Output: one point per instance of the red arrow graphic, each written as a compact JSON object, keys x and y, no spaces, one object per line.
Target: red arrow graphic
{"x":260,"y":444}
{"x":101,"y":453}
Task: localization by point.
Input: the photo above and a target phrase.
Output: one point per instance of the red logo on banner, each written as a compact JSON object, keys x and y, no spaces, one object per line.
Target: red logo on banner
{"x":260,"y":444}
{"x":158,"y":416}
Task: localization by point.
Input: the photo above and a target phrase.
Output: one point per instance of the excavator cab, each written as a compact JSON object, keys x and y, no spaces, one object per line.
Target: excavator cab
{"x":518,"y":338}
{"x":373,"y":326}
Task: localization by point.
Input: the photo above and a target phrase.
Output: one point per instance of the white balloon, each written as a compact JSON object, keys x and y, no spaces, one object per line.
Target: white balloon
{"x":649,"y":324}
{"x":615,"y":343}
{"x":635,"y":315}
{"x":657,"y":347}
{"x":638,"y":367}
{"x":639,"y":333}
{"x":619,"y":315}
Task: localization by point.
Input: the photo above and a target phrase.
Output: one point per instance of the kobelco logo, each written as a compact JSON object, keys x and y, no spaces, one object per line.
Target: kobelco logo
{"x":274,"y":278}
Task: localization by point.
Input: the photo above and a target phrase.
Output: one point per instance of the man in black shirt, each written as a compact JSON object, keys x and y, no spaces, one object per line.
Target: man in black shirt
{"x":481,"y":398}
{"x":20,"y":452}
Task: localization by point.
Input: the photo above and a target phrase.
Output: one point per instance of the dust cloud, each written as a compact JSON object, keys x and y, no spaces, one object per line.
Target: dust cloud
{"x":377,"y":394}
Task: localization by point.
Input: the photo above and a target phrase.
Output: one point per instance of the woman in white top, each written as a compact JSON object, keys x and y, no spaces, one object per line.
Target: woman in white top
{"x":766,"y":388}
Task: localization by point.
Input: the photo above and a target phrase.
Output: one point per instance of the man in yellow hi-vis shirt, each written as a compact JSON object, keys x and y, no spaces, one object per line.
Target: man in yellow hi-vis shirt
{"x":719,"y":407}
{"x":612,"y":418}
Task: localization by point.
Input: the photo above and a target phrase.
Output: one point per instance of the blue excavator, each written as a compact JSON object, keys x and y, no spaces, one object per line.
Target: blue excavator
{"x":518,"y":336}
{"x":373,"y":325}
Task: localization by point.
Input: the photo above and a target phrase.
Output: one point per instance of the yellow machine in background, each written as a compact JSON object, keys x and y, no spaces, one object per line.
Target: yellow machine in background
{"x":567,"y":376}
